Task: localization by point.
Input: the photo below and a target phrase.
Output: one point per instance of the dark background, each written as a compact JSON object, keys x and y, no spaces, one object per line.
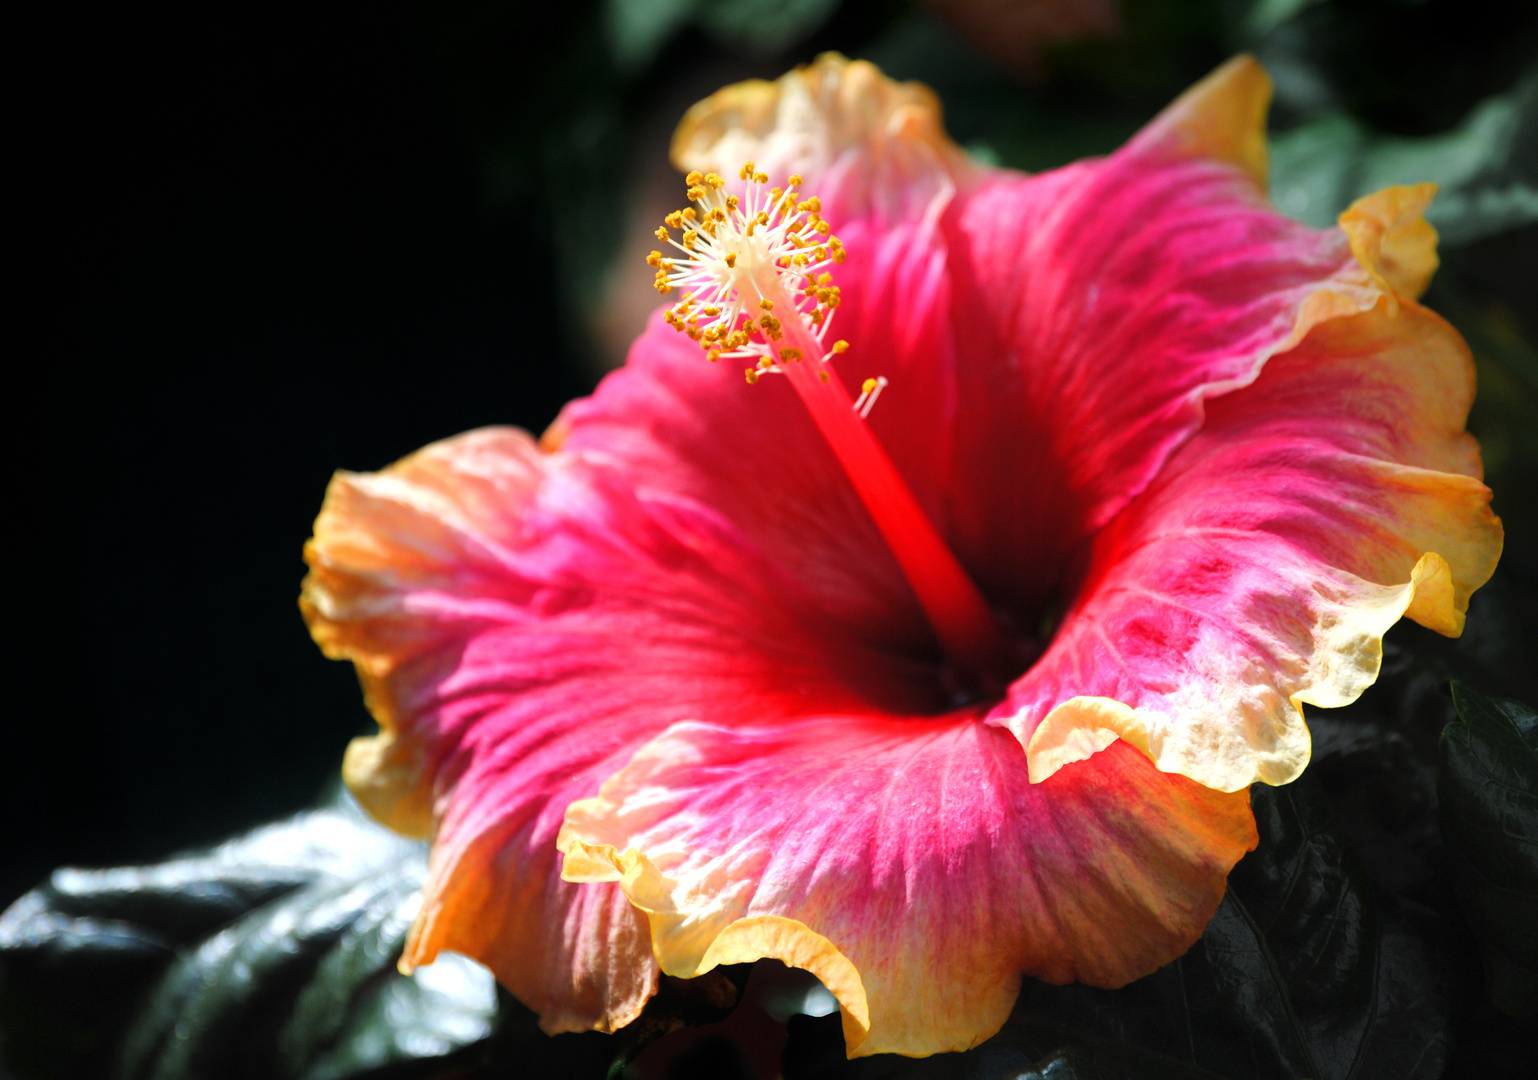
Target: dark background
{"x":261,"y":245}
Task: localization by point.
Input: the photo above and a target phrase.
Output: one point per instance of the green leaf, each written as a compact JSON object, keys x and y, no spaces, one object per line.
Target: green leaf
{"x":1488,"y":789}
{"x":764,"y":26}
{"x":1267,"y":15}
{"x":1300,"y":974}
{"x":271,"y":955}
{"x":1486,"y":167}
{"x":637,"y":29}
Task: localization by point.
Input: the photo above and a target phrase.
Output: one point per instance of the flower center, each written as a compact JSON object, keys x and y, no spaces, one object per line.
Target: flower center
{"x":755,"y":276}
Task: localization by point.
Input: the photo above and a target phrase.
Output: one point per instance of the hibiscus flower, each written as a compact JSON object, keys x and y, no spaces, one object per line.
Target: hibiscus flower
{"x":971,"y":687}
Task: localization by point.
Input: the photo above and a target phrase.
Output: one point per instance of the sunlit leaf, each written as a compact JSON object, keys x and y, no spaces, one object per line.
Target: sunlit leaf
{"x":272,"y":955}
{"x":1487,"y":167}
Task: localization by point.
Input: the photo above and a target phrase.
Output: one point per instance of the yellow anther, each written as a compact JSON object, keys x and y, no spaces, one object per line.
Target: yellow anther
{"x":715,"y":354}
{"x":814,"y":204}
{"x":752,"y":376}
{"x":763,"y":217}
{"x":821,"y":253}
{"x":747,"y":170}
{"x":775,"y":193}
{"x":714,"y":181}
{"x":816,"y":317}
{"x":712,"y":311}
{"x":764,"y":363}
{"x":824,"y":228}
{"x":694,"y":178}
{"x":731,"y":258}
{"x":825,"y":279}
{"x":661,"y":233}
{"x":767,"y":305}
{"x":790,"y":354}
{"x":761,"y":178}
{"x":690,"y":237}
{"x":675,"y":220}
{"x":839,"y":255}
{"x":664,"y":288}
{"x":823,"y":375}
{"x":801,"y":260}
{"x":867,"y":386}
{"x":795,"y":180}
{"x":687,"y":213}
{"x":709,"y":227}
{"x":720,"y":215}
{"x":840,"y":346}
{"x":796,"y":240}
{"x":696,"y":193}
{"x":654,"y":259}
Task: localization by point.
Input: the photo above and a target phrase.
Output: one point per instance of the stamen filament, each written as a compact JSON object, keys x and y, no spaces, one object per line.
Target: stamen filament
{"x":962,"y":621}
{"x":767,"y":252}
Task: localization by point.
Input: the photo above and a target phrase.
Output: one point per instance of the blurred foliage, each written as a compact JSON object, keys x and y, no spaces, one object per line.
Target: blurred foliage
{"x":1351,"y":941}
{"x":638,"y":29}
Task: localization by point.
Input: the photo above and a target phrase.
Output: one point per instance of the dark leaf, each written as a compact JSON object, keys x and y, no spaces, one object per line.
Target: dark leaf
{"x":270,"y":956}
{"x":1299,"y":975}
{"x":1488,"y":787}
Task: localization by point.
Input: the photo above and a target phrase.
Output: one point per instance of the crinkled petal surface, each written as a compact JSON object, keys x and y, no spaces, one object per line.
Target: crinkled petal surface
{"x":1269,"y":557}
{"x":1214,"y":452}
{"x":909,"y":863}
{"x":522,"y":623}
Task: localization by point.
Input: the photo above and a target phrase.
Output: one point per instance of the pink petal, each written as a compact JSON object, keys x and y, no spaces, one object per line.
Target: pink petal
{"x":910,"y":864}
{"x":1050,"y":340}
{"x":1263,"y":565}
{"x":522,"y":622}
{"x":1099,"y":394}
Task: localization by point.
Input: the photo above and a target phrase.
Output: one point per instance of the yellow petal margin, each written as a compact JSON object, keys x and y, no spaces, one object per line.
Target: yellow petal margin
{"x":885,"y":138}
{"x":696,"y":944}
{"x":1403,"y":531}
{"x":1221,"y":118}
{"x":1392,"y":240}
